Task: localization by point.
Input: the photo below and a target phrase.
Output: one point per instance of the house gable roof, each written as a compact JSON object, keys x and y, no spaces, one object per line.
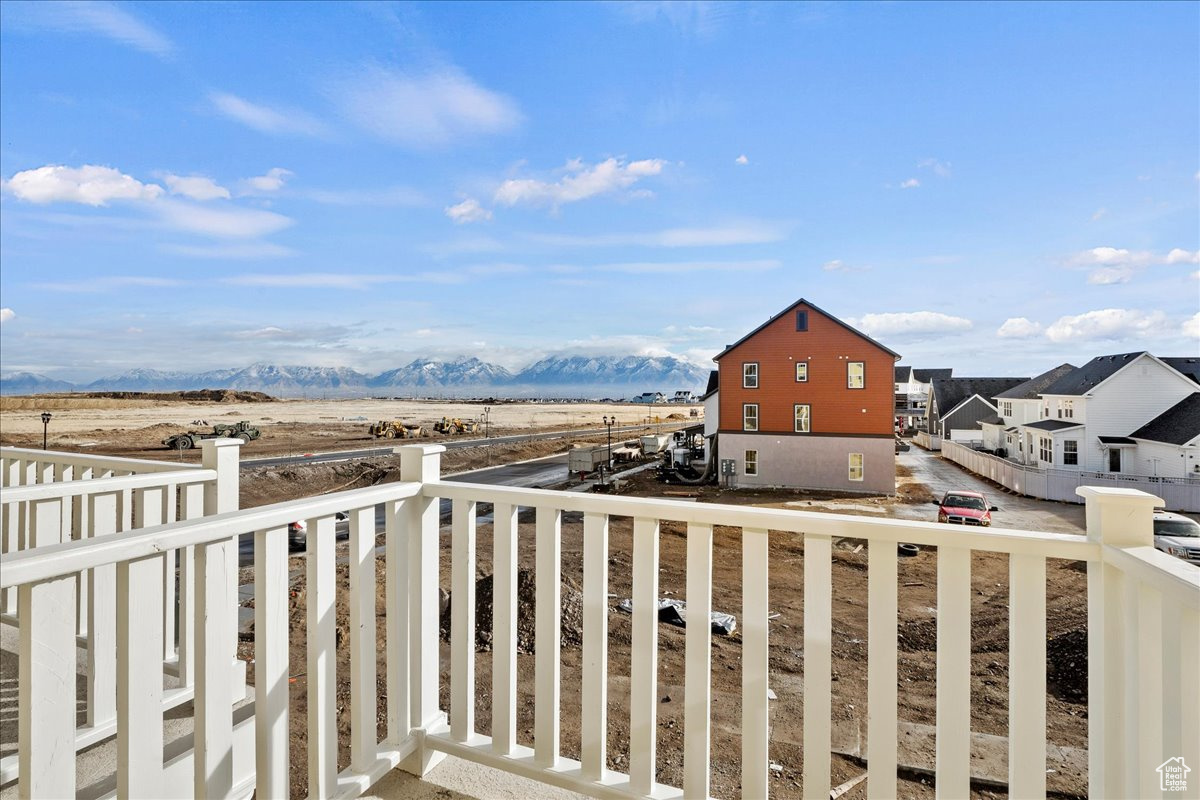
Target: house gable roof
{"x":1184,"y":364}
{"x":1092,"y":374}
{"x":949,"y":393}
{"x":1033,"y":387}
{"x":928,"y":375}
{"x":902,"y":374}
{"x":822,"y":312}
{"x":714,"y":381}
{"x":1052,"y":425}
{"x":1179,"y":424}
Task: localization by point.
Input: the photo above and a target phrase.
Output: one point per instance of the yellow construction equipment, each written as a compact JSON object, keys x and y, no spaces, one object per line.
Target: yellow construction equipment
{"x":456,"y":426}
{"x":395,"y":429}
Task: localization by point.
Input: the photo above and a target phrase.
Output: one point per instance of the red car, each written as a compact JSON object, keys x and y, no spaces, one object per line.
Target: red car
{"x":965,"y":508}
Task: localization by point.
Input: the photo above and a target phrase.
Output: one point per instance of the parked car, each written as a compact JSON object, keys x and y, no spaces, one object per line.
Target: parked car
{"x":298,"y":531}
{"x":965,"y":508}
{"x":1177,"y":535}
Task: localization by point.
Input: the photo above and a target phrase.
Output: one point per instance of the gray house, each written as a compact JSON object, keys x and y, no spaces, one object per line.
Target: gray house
{"x":960,"y":404}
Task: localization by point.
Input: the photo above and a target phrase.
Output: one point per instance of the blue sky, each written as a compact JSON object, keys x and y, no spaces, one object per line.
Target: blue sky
{"x":993,"y":187}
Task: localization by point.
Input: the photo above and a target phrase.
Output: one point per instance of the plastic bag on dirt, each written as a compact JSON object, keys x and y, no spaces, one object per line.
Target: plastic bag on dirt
{"x":674,"y":612}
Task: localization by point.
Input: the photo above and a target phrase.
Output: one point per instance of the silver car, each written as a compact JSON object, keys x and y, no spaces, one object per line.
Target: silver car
{"x":1177,"y":535}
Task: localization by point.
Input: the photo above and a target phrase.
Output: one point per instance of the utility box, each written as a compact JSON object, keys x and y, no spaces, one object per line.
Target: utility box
{"x":728,"y":466}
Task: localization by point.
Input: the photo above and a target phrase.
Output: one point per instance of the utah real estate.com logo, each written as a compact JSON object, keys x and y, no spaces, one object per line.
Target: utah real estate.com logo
{"x":1172,"y":775}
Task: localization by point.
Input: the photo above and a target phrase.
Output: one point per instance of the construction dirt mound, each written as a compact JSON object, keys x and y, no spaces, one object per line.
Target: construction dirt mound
{"x":571,"y":622}
{"x":1067,"y":665}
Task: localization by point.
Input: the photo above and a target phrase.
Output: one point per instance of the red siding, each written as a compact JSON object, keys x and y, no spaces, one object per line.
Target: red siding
{"x":828,"y":347}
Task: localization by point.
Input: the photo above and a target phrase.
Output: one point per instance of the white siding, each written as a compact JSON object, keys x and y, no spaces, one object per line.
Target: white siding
{"x":711,"y":413}
{"x":1163,"y":460}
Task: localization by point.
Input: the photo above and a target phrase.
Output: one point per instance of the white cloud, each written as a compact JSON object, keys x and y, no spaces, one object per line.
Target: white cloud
{"x":110,"y":283}
{"x":1181,"y":256}
{"x":90,"y":185}
{"x":741,"y":160}
{"x":837,"y":265}
{"x":1191,"y":326}
{"x":6,"y":315}
{"x":195,"y":187}
{"x":265,"y":119}
{"x":105,"y":19}
{"x":423,"y":111}
{"x":579,"y":183}
{"x":683,"y":267}
{"x":711,"y":236}
{"x":1106,"y":276}
{"x":1110,"y":256}
{"x":1107,"y":323}
{"x":939,"y":168}
{"x":238,"y":252}
{"x":388,"y":196}
{"x":273,"y":181}
{"x":468,"y":210}
{"x":1019,"y":328}
{"x":912,"y":323}
{"x":234,"y":223}
{"x":911,"y":183}
{"x":339,"y":280}
{"x":1100,"y":212}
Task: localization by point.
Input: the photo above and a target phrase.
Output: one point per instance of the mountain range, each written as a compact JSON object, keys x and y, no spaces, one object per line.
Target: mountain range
{"x":555,"y":376}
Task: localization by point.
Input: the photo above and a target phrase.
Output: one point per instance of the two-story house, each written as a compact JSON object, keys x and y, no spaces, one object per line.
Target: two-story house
{"x":1019,"y":405}
{"x":806,"y":401}
{"x":958,"y":405}
{"x":1088,"y":415}
{"x":912,"y":394}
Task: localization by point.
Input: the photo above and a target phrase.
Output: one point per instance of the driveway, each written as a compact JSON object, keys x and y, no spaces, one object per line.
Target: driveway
{"x":942,"y":475}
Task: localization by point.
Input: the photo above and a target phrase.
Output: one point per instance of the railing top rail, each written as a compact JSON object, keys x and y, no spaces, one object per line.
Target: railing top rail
{"x":999,"y":540}
{"x":69,"y":558}
{"x":1175,"y":578}
{"x":94,"y":461}
{"x":47,"y":491}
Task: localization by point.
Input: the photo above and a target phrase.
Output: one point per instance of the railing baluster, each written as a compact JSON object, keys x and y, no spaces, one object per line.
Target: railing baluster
{"x":1106,"y":680}
{"x":364,"y":701}
{"x":1027,"y":676}
{"x":139,"y":679}
{"x":1173,"y":678}
{"x":1189,"y":690}
{"x":756,"y":714}
{"x":46,"y":689}
{"x":149,"y":510}
{"x":594,"y":719}
{"x":102,"y":618}
{"x":271,"y":737}
{"x":168,"y":577}
{"x":697,"y":691}
{"x":1144,"y":727}
{"x":818,"y":663}
{"x":322,"y":658}
{"x":504,"y":631}
{"x":547,"y":630}
{"x":215,"y":621}
{"x":193,"y":508}
{"x":462,"y":621}
{"x":643,"y":660}
{"x":396,"y":591}
{"x":882,"y":609}
{"x":953,"y":672}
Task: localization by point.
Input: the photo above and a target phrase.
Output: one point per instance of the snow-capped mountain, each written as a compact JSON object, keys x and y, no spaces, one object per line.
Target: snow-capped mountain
{"x":428,"y":372}
{"x":657,"y":373}
{"x":292,"y":380}
{"x":153,"y":380}
{"x":32,"y":383}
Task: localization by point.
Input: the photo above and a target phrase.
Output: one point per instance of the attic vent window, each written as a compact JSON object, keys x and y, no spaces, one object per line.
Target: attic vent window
{"x":801,"y":320}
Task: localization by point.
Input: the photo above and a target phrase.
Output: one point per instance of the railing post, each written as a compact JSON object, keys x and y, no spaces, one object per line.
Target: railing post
{"x":220,"y":497}
{"x":1115,"y":518}
{"x":422,"y":464}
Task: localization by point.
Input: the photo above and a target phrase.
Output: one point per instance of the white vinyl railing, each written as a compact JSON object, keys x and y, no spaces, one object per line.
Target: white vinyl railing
{"x":49,"y":497}
{"x":1144,"y":643}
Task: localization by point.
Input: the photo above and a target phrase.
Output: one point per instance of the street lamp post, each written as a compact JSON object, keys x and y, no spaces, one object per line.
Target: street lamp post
{"x":487,"y":412}
{"x":609,"y":422}
{"x":45,"y":427}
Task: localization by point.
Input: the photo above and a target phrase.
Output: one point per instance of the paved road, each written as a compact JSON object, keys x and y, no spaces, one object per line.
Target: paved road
{"x":942,"y":475}
{"x":449,"y":444}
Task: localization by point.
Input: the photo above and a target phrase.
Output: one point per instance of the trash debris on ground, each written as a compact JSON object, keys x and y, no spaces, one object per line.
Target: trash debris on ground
{"x":674,"y":612}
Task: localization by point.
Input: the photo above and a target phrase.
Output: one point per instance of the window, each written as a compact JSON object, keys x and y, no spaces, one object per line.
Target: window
{"x":1046,"y":449}
{"x":1071,"y":452}
{"x":750,"y":417}
{"x":855,"y":375}
{"x":1066,"y":409}
{"x":801,"y":371}
{"x":750,"y":375}
{"x":856,"y":466}
{"x":801,"y":320}
{"x":803,"y":414}
{"x":751,"y":462}
{"x":1006,"y":408}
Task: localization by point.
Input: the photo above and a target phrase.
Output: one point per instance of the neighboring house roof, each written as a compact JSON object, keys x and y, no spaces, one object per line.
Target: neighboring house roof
{"x":928,"y":375}
{"x":1179,"y":424}
{"x":1053,"y":425}
{"x":902,"y":374}
{"x":949,"y":393}
{"x":821,"y":311}
{"x":714,"y":380}
{"x":1092,"y":374}
{"x":1033,"y":387}
{"x":1188,"y":366}
{"x":1117,"y":440}
{"x":992,"y":420}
